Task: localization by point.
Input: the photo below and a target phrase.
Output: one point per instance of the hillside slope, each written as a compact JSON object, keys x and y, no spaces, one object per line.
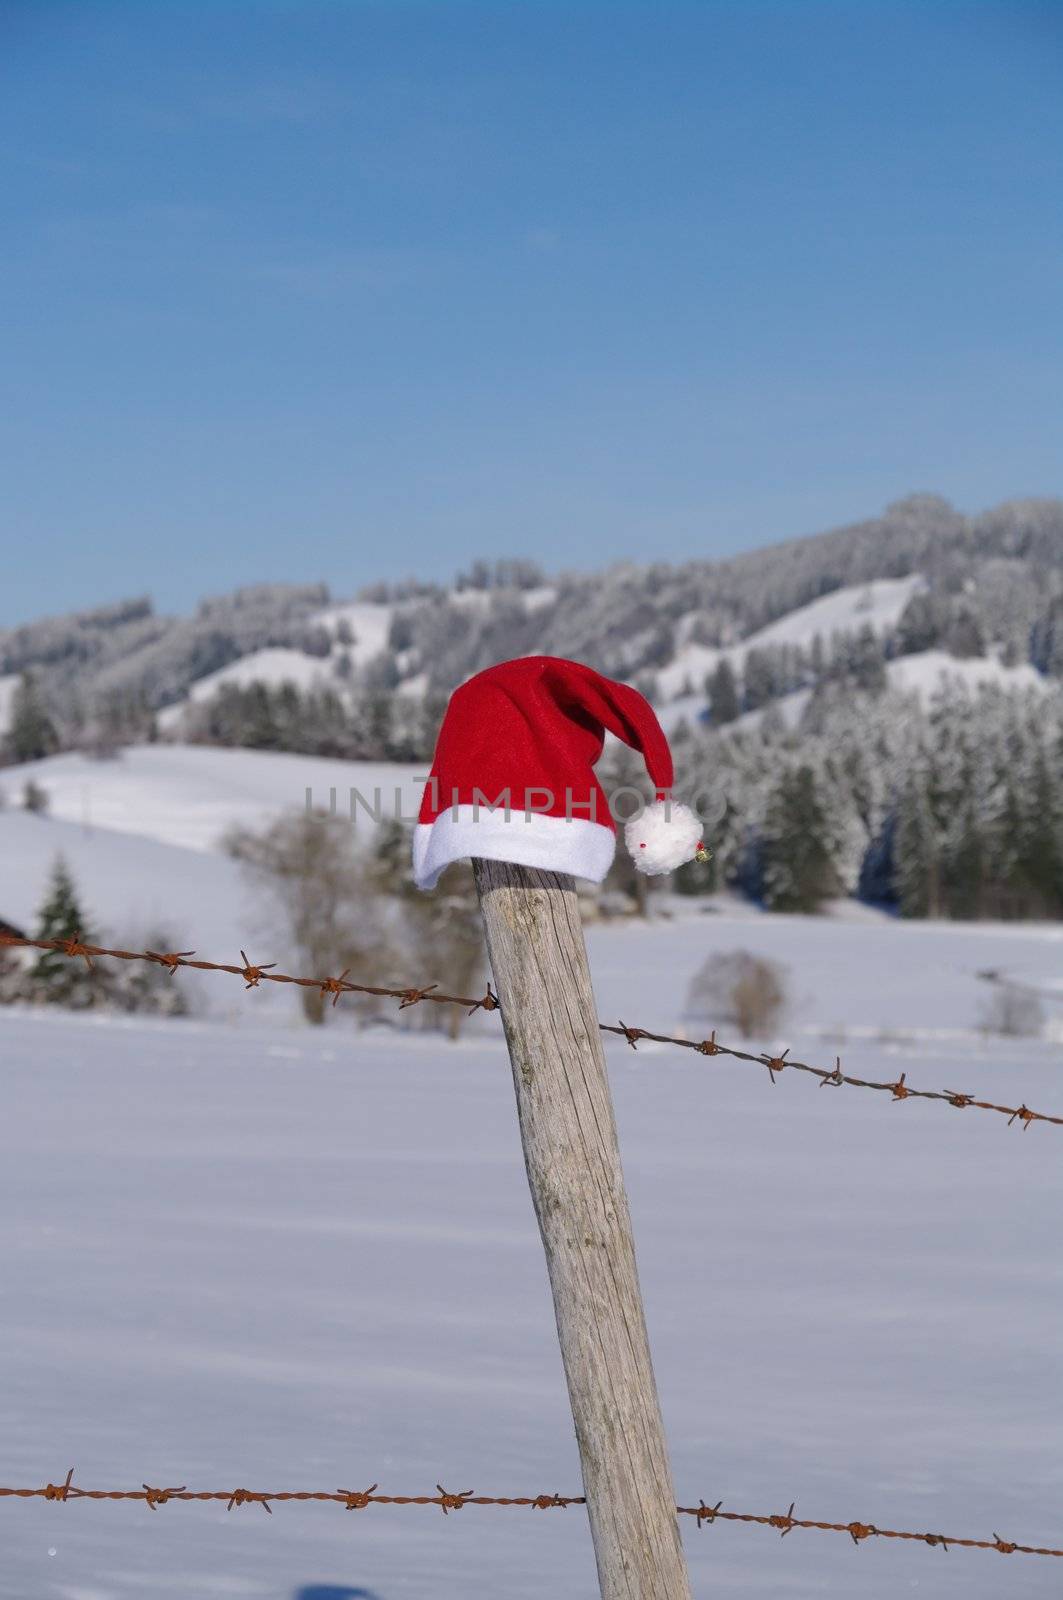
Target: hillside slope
{"x":920,"y":576}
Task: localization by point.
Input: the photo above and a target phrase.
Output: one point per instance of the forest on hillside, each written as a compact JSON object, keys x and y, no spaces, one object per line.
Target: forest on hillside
{"x":823,"y":777}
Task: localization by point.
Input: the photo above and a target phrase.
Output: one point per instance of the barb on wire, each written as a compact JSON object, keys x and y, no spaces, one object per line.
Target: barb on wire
{"x":897,"y":1089}
{"x":784,"y":1522}
{"x":254,"y":975}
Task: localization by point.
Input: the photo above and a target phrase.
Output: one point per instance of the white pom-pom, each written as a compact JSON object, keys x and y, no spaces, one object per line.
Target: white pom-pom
{"x":663,"y":836}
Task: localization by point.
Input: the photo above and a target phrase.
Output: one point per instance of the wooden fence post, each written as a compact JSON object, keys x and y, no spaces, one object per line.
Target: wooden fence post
{"x":539,"y":964}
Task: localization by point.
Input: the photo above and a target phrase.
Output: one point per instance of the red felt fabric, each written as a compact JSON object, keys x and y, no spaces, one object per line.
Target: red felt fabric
{"x":535,"y":727}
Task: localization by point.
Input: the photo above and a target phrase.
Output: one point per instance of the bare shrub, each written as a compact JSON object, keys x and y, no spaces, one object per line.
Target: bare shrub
{"x":1012,"y":1011}
{"x":145,"y":987}
{"x":306,"y":867}
{"x":740,"y":988}
{"x":34,"y":798}
{"x":441,"y":934}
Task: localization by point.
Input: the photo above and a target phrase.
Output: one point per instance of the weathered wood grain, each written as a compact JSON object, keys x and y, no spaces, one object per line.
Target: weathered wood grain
{"x":539,"y":963}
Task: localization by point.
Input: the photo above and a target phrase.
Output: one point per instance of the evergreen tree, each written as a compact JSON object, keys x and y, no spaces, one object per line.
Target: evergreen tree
{"x":1046,"y":640}
{"x":915,"y":854}
{"x":32,"y":734}
{"x":877,"y":879}
{"x":964,"y":866}
{"x":1039,"y":866}
{"x":796,"y":860}
{"x":867,"y":662}
{"x":56,"y":978}
{"x":965,"y":637}
{"x":378,"y":724}
{"x":921,"y":626}
{"x":722,"y":689}
{"x":261,"y":731}
{"x":759,"y":677}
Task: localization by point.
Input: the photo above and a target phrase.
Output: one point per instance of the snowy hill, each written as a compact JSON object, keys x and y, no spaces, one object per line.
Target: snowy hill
{"x":928,"y":671}
{"x":878,"y":605}
{"x":873,"y":660}
{"x":274,"y":666}
{"x":189,"y":795}
{"x":920,"y":577}
{"x":366,"y":624}
{"x":142,"y":836}
{"x":134,"y":889}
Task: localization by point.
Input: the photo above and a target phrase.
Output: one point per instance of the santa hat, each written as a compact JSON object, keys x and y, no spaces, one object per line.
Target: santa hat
{"x":512,"y":778}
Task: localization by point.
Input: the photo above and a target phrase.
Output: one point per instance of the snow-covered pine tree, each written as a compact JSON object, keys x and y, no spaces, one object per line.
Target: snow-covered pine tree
{"x":56,"y":978}
{"x":798,"y":870}
{"x":32,"y":734}
{"x":867,"y":661}
{"x":916,"y":862}
{"x":722,"y":689}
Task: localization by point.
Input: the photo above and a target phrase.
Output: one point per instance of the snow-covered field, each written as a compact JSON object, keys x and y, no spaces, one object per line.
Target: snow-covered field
{"x":287,"y":1258}
{"x":141,"y":835}
{"x":189,"y":795}
{"x":275,"y":1257}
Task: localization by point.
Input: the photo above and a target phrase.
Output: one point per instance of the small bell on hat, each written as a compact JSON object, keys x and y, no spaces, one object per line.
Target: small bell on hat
{"x":513,"y":776}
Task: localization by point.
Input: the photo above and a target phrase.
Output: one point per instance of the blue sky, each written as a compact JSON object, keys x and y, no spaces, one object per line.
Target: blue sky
{"x":347,"y":291}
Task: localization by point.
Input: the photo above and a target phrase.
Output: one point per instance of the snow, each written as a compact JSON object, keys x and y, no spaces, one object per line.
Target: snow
{"x":932,"y":967}
{"x":8,"y":684}
{"x":369,"y":622}
{"x":688,"y":708}
{"x":878,"y":604}
{"x":125,"y":881}
{"x":925,"y":674}
{"x":279,"y":664}
{"x":273,"y":666}
{"x":931,"y":670}
{"x":295,"y":1258}
{"x":539,"y":598}
{"x":189,"y":795}
{"x":414,"y":688}
{"x":132,"y":889}
{"x":688,"y":671}
{"x":273,"y":1256}
{"x":789,"y":707}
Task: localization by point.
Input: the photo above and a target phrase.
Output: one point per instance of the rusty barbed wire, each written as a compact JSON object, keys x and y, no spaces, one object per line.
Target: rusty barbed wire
{"x":265,"y":972}
{"x":448,"y":1500}
{"x":898,"y":1088}
{"x":252,"y":973}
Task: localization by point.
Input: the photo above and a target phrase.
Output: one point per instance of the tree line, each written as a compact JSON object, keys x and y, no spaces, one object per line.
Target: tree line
{"x":953,"y":809}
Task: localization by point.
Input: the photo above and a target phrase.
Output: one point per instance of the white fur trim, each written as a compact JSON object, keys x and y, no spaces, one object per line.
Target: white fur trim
{"x":554,"y":844}
{"x":662,"y":836}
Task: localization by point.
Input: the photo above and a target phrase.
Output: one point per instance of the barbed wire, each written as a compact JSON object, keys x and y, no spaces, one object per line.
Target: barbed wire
{"x":447,"y":1500}
{"x":898,"y":1088}
{"x":255,"y":974}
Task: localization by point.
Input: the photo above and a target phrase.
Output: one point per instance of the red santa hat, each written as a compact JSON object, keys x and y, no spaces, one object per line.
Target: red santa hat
{"x":512,"y":778}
